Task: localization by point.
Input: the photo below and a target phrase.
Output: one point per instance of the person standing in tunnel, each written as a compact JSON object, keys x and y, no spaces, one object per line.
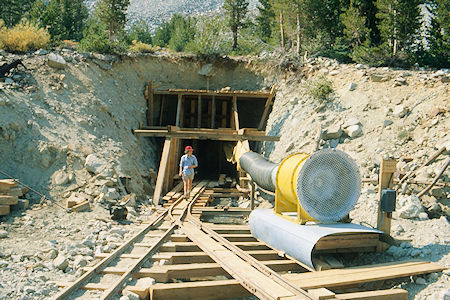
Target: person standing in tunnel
{"x":188,"y":163}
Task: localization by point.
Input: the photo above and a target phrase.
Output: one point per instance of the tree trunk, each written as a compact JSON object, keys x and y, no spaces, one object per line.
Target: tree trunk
{"x":235,"y":39}
{"x":299,"y":38}
{"x":282,"y":30}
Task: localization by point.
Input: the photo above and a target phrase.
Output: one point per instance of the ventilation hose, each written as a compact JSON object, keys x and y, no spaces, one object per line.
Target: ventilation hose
{"x":259,"y":168}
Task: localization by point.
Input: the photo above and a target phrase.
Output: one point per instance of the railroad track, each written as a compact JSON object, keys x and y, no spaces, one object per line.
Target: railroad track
{"x":195,"y":251}
{"x":191,"y":259}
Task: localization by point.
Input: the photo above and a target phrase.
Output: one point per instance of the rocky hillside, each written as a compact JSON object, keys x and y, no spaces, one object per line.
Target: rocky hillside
{"x":65,"y":129}
{"x":155,"y":12}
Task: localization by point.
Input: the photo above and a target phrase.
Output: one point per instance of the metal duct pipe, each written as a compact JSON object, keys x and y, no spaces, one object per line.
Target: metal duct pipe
{"x":323,"y":186}
{"x":260,"y":169}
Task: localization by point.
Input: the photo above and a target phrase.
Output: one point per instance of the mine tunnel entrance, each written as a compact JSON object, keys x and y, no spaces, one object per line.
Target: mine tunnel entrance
{"x":212,"y":122}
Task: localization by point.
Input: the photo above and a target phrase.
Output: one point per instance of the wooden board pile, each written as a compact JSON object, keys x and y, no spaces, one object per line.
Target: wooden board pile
{"x":10,"y":194}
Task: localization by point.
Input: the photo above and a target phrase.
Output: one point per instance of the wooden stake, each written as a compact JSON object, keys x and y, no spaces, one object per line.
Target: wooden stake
{"x":161,"y":110}
{"x":387,"y":169}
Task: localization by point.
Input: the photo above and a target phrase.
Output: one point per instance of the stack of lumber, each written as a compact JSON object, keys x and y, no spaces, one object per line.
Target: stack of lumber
{"x":9,"y":195}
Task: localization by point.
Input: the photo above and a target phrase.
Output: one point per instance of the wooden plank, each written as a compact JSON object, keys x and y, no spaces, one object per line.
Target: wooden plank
{"x":347,"y":241}
{"x":204,"y":135}
{"x":190,"y":246}
{"x":267,"y":108}
{"x":394,"y":294}
{"x":322,"y":293}
{"x":189,"y":92}
{"x":83,"y":206}
{"x":4,"y":210}
{"x":8,"y":183}
{"x":179,"y":116}
{"x":236,"y":266}
{"x":8,"y":200}
{"x":194,"y":270}
{"x":357,"y":275}
{"x":213,"y":112}
{"x":330,"y":279}
{"x":162,"y":172}
{"x":387,"y":169}
{"x":205,"y":290}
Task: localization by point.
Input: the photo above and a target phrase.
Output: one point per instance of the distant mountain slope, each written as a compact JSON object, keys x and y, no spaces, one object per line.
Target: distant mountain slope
{"x":157,"y":11}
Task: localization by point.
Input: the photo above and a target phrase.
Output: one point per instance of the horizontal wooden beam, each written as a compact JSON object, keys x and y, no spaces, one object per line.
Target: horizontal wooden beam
{"x":212,"y":134}
{"x":243,"y":94}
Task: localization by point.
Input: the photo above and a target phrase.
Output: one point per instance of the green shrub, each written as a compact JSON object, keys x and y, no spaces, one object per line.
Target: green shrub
{"x":139,"y":47}
{"x":210,"y":38}
{"x":319,"y":88}
{"x":140,"y":32}
{"x":96,"y":39}
{"x":23,"y":37}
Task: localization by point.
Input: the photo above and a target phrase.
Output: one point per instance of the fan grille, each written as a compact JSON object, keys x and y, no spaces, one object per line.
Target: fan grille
{"x":329,"y":185}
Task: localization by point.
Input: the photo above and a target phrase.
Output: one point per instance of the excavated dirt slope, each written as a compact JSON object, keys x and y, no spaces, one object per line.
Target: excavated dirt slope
{"x":68,"y":129}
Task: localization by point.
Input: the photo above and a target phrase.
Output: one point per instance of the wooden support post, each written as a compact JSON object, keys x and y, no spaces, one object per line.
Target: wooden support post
{"x":161,"y":110}
{"x":209,"y":114}
{"x":213,"y":111}
{"x":171,"y":165}
{"x":179,"y":116}
{"x":267,"y":108}
{"x":192,"y":114}
{"x":235,"y":115}
{"x":162,"y":171}
{"x":386,"y":180}
{"x":199,"y":111}
{"x":224,"y":114}
{"x":149,"y":97}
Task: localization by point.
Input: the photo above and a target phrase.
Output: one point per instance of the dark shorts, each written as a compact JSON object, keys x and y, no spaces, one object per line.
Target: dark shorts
{"x":188,"y":176}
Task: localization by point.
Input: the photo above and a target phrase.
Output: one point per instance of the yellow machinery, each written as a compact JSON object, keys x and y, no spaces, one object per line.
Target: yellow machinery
{"x":322,"y":187}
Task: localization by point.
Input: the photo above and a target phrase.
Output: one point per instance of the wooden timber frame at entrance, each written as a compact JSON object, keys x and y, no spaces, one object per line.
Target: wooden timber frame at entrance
{"x":221,"y":122}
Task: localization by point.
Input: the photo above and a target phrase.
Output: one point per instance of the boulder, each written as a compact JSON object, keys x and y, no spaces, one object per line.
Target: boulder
{"x":411,"y":208}
{"x":354,"y":131}
{"x":61,"y":262}
{"x":351,"y":121}
{"x":56,"y":61}
{"x":386,"y":123}
{"x":334,"y":72}
{"x":205,"y":70}
{"x":360,"y":66}
{"x":131,"y":295}
{"x":421,"y":281}
{"x":60,"y":178}
{"x":332,"y":132}
{"x":95,"y":164}
{"x":79,"y":262}
{"x":9,"y":80}
{"x":380,"y":77}
{"x":3,"y":234}
{"x":41,"y":52}
{"x":399,"y":111}
{"x":145,"y":282}
{"x":111,"y":194}
{"x":352,"y":86}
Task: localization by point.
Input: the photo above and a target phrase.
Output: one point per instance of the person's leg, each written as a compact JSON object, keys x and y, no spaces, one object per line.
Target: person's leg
{"x":185,"y":185}
{"x":189,"y":187}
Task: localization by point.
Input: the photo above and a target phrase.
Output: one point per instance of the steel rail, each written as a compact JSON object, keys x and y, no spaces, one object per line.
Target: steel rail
{"x":114,"y":255}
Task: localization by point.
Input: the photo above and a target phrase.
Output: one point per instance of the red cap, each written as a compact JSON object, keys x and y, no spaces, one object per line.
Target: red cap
{"x":188,"y":148}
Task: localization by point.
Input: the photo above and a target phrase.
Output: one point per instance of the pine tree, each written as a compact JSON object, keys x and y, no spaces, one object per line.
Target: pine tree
{"x":236,"y":11}
{"x":355,"y":29}
{"x":399,"y":22}
{"x":265,"y":20}
{"x":12,"y":11}
{"x":65,"y":19}
{"x":438,"y":33}
{"x":113,"y":13}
